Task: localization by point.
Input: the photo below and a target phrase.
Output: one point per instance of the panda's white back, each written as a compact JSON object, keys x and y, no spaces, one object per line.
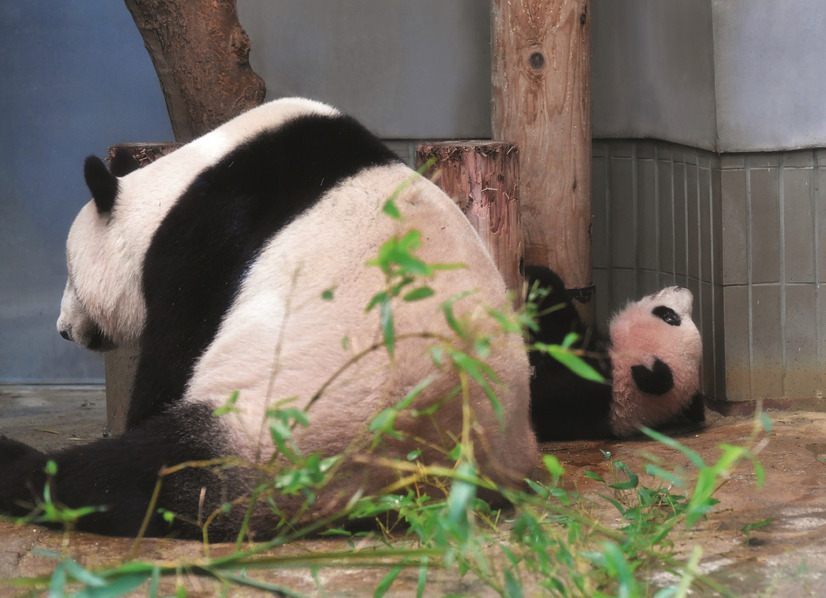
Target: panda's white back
{"x":280,"y":328}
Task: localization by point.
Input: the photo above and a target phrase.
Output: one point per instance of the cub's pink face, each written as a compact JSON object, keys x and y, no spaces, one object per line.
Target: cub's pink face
{"x":658,"y":324}
{"x":655,"y":354}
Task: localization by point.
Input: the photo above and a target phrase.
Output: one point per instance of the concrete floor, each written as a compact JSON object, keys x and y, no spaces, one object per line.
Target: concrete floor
{"x":785,"y":558}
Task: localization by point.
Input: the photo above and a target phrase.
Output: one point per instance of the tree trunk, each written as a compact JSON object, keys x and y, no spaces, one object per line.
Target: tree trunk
{"x":542,"y":102}
{"x":482,"y":177}
{"x":201,"y":55}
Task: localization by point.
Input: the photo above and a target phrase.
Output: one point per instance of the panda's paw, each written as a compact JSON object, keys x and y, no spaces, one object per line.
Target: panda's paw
{"x":13,"y":450}
{"x":21,"y":467}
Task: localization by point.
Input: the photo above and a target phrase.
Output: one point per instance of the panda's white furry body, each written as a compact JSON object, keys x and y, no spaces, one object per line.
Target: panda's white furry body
{"x":650,"y":361}
{"x":213,"y":260}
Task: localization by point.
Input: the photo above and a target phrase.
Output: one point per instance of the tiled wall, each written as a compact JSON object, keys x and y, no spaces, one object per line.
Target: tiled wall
{"x":656,"y":222}
{"x":773,"y":265}
{"x":742,"y":232}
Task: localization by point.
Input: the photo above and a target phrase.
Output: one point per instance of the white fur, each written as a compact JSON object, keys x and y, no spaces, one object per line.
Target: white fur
{"x":109,"y":292}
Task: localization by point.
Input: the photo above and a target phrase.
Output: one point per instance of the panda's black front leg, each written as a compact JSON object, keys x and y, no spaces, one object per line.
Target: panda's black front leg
{"x":655,"y":381}
{"x":22,"y":469}
{"x":119,"y":476}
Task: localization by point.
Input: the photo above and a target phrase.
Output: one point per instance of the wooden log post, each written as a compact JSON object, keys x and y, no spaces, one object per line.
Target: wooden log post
{"x":121,"y":363}
{"x":541,"y":101}
{"x":483,"y":178}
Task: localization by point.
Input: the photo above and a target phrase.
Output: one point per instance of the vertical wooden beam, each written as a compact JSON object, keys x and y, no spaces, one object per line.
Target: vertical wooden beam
{"x":542,"y":102}
{"x":482,"y":177}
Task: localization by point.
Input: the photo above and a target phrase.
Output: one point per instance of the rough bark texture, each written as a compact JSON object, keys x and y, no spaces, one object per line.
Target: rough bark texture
{"x":541,"y":102}
{"x":201,"y":55}
{"x":483,"y":178}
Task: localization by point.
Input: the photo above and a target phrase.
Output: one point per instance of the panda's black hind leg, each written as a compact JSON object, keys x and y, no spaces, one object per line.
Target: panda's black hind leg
{"x":119,"y":475}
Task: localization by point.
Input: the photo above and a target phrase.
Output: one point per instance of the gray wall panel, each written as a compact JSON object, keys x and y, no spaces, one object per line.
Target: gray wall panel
{"x":406,"y":69}
{"x":653,"y":70}
{"x":75,"y":79}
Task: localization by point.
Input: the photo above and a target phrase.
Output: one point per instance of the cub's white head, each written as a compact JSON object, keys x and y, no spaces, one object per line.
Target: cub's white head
{"x":102,"y":305}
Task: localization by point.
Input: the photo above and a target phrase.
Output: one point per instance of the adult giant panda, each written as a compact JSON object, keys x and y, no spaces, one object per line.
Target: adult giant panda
{"x":650,"y":361}
{"x":214,"y":261}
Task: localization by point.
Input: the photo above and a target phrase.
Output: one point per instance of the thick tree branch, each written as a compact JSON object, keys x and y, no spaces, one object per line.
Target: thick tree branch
{"x":201,"y":55}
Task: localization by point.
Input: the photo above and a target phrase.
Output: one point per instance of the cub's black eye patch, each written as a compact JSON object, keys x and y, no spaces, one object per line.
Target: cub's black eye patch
{"x":667,"y":315}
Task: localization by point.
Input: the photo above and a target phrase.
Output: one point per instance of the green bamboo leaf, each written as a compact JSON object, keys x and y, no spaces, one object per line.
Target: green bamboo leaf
{"x":82,"y":575}
{"x":759,"y":473}
{"x":376,"y":300}
{"x":513,"y":589}
{"x":391,"y":209}
{"x":57,"y":584}
{"x":411,"y":264}
{"x":115,"y":586}
{"x":419,"y":294}
{"x":573,"y":362}
{"x":461,"y":494}
{"x":692,"y":456}
{"x":569,"y":340}
{"x":387,"y":330}
{"x":666,"y":476}
{"x":388,"y":580}
{"x":422,"y":581}
{"x":554,"y":467}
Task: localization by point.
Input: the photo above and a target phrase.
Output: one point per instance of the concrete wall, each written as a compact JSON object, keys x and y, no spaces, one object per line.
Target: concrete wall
{"x":656,"y":223}
{"x":725,"y":75}
{"x":652,"y":68}
{"x":408,"y":70}
{"x":75,"y":78}
{"x":770,"y":64}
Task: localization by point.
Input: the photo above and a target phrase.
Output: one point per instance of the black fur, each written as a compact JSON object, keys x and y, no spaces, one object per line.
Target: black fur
{"x":202,"y":250}
{"x":120,"y":474}
{"x":564,"y":405}
{"x":102,"y":184}
{"x":656,"y":381}
{"x":123,"y":162}
{"x":667,"y":315}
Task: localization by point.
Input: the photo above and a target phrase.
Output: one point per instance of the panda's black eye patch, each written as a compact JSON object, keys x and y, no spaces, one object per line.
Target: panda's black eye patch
{"x":667,"y":315}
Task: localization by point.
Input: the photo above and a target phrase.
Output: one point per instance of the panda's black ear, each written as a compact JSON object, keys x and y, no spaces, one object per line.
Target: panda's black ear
{"x":123,"y":162}
{"x":102,"y":183}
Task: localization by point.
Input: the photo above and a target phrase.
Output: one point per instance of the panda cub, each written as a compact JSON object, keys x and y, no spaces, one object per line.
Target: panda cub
{"x":216,"y":262}
{"x":651,"y":363}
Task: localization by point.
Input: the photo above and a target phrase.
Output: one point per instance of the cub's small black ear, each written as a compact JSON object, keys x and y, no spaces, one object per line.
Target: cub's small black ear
{"x":123,"y":162}
{"x":102,"y":183}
